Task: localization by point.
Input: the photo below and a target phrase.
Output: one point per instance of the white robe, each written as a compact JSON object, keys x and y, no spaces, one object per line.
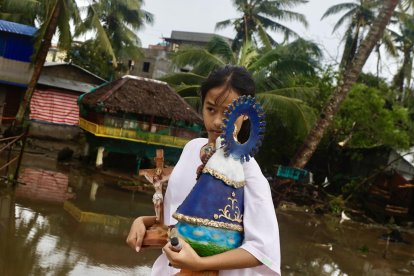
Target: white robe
{"x":261,"y":231}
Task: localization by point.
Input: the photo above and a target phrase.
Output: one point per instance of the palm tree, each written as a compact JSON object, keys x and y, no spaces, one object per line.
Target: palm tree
{"x":23,"y":11}
{"x":53,"y":15}
{"x":359,"y":16}
{"x":405,"y":44}
{"x":116,"y":23}
{"x":349,"y":77}
{"x":259,"y":16}
{"x":271,"y":70}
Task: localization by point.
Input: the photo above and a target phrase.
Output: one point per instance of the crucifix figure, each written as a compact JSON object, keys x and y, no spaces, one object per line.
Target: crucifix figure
{"x":157,"y":177}
{"x":156,"y":235}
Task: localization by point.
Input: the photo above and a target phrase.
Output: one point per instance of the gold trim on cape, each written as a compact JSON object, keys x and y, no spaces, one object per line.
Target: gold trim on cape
{"x":225,"y":179}
{"x":207,"y":222}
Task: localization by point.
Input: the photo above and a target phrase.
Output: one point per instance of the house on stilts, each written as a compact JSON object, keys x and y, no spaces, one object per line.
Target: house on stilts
{"x":128,"y":119}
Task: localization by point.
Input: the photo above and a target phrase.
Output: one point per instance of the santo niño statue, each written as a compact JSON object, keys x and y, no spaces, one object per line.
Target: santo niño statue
{"x":210,"y":219}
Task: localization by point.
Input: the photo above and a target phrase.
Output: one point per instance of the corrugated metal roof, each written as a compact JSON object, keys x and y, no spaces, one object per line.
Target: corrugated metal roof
{"x":77,"y":86}
{"x":16,"y":28}
{"x":49,"y":64}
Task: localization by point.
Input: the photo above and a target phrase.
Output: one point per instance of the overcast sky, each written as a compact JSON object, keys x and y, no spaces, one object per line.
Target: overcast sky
{"x":202,"y":15}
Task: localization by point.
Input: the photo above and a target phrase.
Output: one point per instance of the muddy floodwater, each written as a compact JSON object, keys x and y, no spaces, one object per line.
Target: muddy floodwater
{"x":67,"y":220}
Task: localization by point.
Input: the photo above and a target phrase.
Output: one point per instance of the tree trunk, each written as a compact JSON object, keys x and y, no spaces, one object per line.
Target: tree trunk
{"x":349,"y":77}
{"x":401,"y":75}
{"x":38,"y":63}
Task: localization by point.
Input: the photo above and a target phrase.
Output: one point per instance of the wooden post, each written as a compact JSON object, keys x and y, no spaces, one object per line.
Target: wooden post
{"x":99,"y":157}
{"x":19,"y":161}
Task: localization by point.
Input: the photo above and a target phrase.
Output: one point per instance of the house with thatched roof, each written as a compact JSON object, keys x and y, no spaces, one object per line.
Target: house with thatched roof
{"x":135,"y":116}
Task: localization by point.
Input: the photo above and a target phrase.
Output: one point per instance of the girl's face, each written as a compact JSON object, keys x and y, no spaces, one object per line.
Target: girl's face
{"x":213,"y":111}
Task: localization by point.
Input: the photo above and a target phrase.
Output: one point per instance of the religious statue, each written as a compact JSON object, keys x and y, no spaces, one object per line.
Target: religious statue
{"x":158,"y":199}
{"x":156,"y":235}
{"x":210,"y":219}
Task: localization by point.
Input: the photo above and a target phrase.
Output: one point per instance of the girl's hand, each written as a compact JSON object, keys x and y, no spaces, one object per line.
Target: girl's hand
{"x":137,"y":233}
{"x":186,"y":258}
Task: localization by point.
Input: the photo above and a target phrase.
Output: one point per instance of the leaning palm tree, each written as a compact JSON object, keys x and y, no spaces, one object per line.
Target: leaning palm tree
{"x":52,"y":15}
{"x":358,"y":16}
{"x":116,"y":23}
{"x":260,"y":16}
{"x":348,"y":78}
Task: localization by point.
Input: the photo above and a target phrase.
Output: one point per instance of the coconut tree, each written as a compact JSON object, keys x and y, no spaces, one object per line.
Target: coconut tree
{"x":270,"y":69}
{"x":358,"y":16}
{"x":53,"y":15}
{"x":404,"y":39}
{"x":348,"y":78}
{"x":23,"y":11}
{"x":260,"y":16}
{"x":116,"y":23}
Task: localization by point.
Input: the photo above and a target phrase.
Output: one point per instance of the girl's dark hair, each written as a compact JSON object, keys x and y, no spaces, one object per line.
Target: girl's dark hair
{"x":234,"y":78}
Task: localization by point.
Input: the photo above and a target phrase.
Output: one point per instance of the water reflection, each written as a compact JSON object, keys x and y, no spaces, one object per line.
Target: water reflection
{"x":320,"y":245}
{"x":43,"y":185}
{"x":47,"y":241}
{"x":39,"y":237}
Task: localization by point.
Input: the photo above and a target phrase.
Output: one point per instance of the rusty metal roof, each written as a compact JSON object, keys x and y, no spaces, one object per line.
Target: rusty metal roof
{"x":76,"y":86}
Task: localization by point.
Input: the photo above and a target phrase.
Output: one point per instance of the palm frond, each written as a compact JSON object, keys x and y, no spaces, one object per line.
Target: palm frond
{"x":301,"y":93}
{"x":194,"y":102}
{"x":197,"y":57}
{"x":341,"y":21}
{"x":339,"y":8}
{"x":277,"y":27}
{"x":264,"y":37}
{"x":187,"y":90}
{"x":291,"y":16}
{"x":293,"y":113}
{"x":224,"y":24}
{"x":389,"y":44}
{"x":183,"y":78}
{"x":219,"y":46}
{"x":247,"y":55}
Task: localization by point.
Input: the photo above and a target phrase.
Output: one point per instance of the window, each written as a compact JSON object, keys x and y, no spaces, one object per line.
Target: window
{"x":146,"y":67}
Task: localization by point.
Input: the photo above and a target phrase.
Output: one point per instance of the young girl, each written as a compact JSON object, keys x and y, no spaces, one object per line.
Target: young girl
{"x":260,"y":252}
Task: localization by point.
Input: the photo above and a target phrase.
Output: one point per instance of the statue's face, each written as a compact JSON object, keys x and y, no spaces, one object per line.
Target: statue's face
{"x":158,"y":171}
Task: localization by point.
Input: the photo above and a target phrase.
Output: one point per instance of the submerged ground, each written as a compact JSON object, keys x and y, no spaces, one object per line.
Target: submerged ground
{"x":38,"y":236}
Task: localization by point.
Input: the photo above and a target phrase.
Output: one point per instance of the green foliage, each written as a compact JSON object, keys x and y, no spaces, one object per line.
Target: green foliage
{"x":350,"y":187}
{"x":366,"y":120}
{"x":257,"y":17}
{"x":281,"y":139}
{"x":358,"y":16}
{"x":22,"y":11}
{"x":90,"y":56}
{"x":336,"y":205}
{"x":363,"y":249}
{"x":116,"y":23}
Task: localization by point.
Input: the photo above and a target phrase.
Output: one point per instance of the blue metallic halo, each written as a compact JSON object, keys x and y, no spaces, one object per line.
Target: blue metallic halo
{"x":243,"y":105}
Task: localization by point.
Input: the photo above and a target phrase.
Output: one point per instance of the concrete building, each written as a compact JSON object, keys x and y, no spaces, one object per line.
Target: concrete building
{"x":156,"y":62}
{"x":180,"y":38}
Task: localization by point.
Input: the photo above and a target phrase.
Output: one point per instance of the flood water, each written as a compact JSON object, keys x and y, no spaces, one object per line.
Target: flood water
{"x":40,"y":233}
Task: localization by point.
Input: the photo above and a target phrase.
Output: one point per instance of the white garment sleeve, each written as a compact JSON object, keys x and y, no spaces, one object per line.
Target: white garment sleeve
{"x":261,"y":231}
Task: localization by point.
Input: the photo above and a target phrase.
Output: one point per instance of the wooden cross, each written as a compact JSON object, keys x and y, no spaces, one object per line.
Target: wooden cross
{"x":157,"y":177}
